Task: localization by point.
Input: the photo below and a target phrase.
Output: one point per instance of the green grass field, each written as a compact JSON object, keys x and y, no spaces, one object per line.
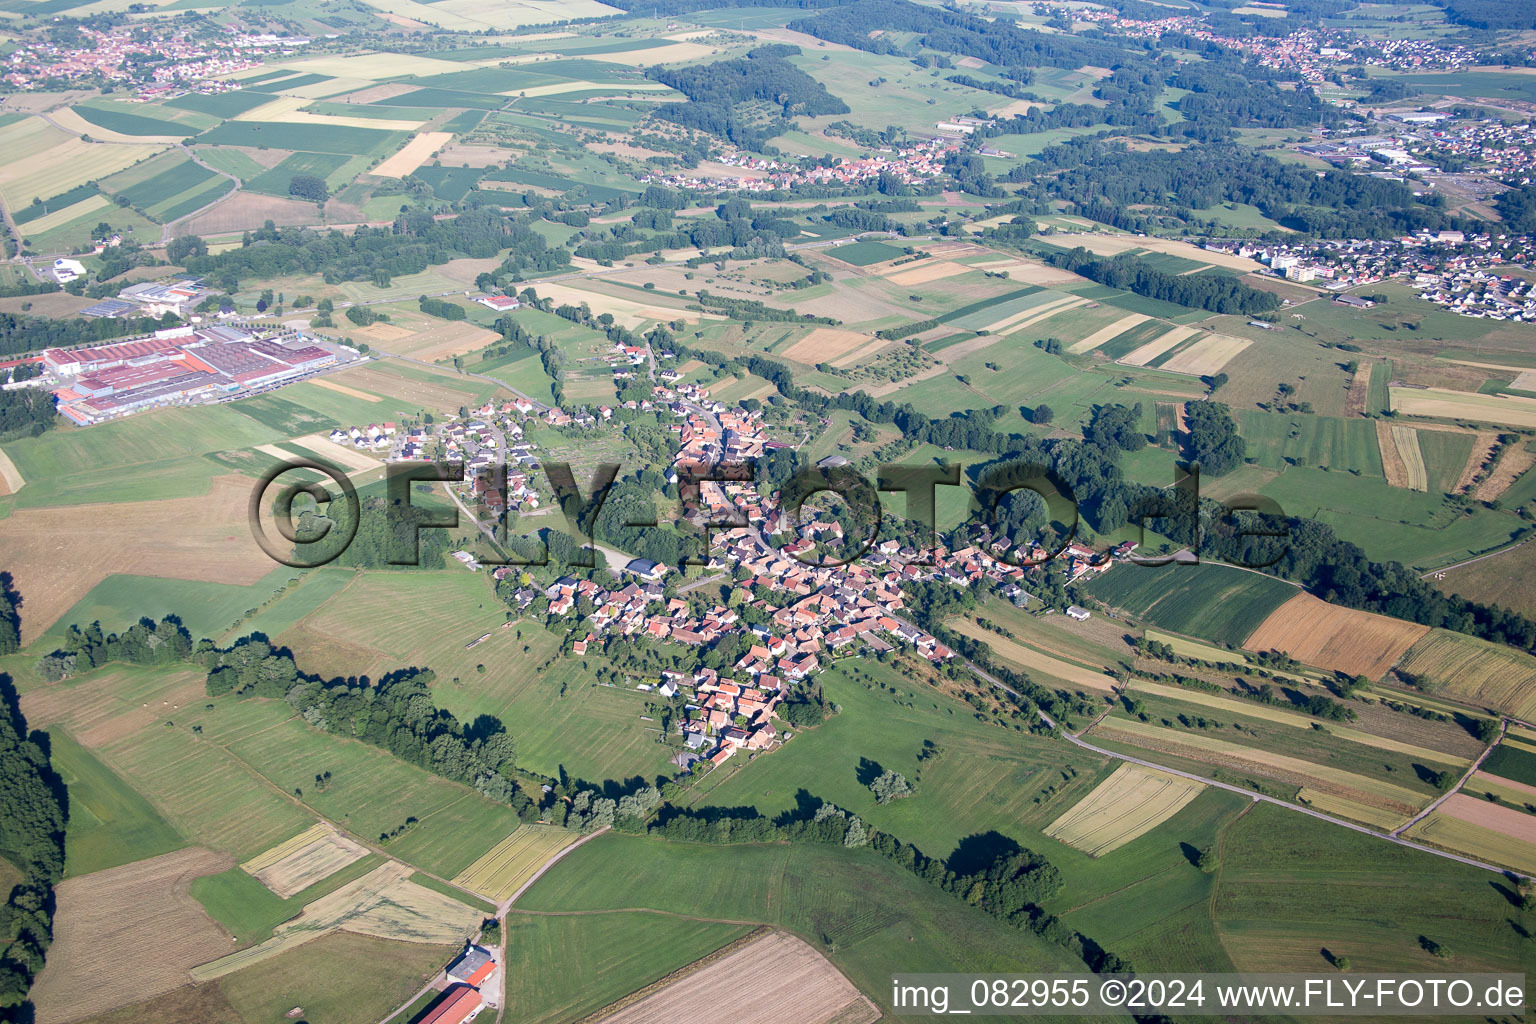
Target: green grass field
{"x":561,"y":968}
{"x":869,"y":916}
{"x":1290,"y":887}
{"x":1210,"y":600}
{"x":1278,"y":440}
{"x":153,"y":455}
{"x":205,"y":609}
{"x":862,"y":254}
{"x":109,"y":824}
{"x":313,"y":138}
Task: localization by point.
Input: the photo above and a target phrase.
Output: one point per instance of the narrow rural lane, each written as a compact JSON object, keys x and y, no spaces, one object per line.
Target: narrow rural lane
{"x":1443,"y":797}
{"x":165,"y":230}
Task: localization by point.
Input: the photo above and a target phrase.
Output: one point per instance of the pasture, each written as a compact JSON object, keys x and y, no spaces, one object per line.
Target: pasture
{"x":864,"y":254}
{"x":1130,"y":803}
{"x":1291,"y":887}
{"x":875,"y":914}
{"x":1464,"y":668}
{"x":126,"y":934}
{"x":109,"y":824}
{"x":560,"y":968}
{"x":1210,"y":601}
{"x":510,"y":863}
{"x":1279,"y":440}
{"x":776,"y":977}
{"x":1336,"y":638}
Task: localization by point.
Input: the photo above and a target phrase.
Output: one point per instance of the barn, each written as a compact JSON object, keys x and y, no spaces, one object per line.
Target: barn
{"x":474,"y":967}
{"x":461,"y":1004}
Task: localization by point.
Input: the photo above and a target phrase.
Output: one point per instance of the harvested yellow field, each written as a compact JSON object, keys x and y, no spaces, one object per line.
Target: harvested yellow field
{"x":1512,"y":464}
{"x":70,"y":549}
{"x":321,"y":857}
{"x":1335,"y":638}
{"x":126,"y":934}
{"x":386,"y":332}
{"x":58,"y":218}
{"x":70,"y":121}
{"x":1127,"y":805}
{"x":1483,"y":445}
{"x":1401,"y":457}
{"x":1109,"y":245}
{"x":329,"y":87}
{"x":656,"y":55}
{"x":825,"y":345}
{"x":66,"y":165}
{"x":374,"y":66}
{"x":1442,"y":403}
{"x":413,"y":154}
{"x":350,"y":458}
{"x":1106,"y":332}
{"x":777,"y":979}
{"x":1206,"y":356}
{"x":510,"y":863}
{"x":1292,"y":770}
{"x":342,"y":389}
{"x":267,"y":858}
{"x":10,"y":477}
{"x":383,"y":902}
{"x":932,"y":270}
{"x":1351,"y":809}
{"x":1029,"y":271}
{"x":29,"y":137}
{"x":627,"y":312}
{"x":555,"y":88}
{"x":289,"y":110}
{"x":1465,"y":668}
{"x":1294,"y":719}
{"x":1478,"y":838}
{"x":1156,"y":347}
{"x":1030,"y":658}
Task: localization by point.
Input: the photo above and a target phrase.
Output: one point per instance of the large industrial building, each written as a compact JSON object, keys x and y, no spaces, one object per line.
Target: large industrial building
{"x":176,"y":366}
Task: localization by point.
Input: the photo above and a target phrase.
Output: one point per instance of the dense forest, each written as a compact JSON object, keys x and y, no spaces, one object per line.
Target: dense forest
{"x":715,"y":90}
{"x":1331,"y":204}
{"x":21,"y":333}
{"x":26,"y":412}
{"x":33,"y":807}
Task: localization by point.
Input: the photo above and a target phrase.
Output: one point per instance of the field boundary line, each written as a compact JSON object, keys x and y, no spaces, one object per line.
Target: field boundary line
{"x":760,"y":932}
{"x":1443,"y":797}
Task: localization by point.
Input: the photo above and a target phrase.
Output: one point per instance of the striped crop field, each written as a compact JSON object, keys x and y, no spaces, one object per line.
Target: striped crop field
{"x":1129,"y":804}
{"x":510,"y":863}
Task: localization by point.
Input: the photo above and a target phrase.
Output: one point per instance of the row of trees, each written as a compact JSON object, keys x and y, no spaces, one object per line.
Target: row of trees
{"x":1218,"y":293}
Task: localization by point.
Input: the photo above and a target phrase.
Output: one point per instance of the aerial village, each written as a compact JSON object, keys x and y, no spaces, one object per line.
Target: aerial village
{"x":817,"y":612}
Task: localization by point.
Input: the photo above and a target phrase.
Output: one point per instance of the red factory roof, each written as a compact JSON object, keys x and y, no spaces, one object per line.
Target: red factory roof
{"x":461,"y":1002}
{"x":105,"y":353}
{"x":17,"y":362}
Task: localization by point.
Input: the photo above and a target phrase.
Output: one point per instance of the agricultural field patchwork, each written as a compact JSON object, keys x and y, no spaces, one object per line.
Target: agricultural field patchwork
{"x":1130,"y":803}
